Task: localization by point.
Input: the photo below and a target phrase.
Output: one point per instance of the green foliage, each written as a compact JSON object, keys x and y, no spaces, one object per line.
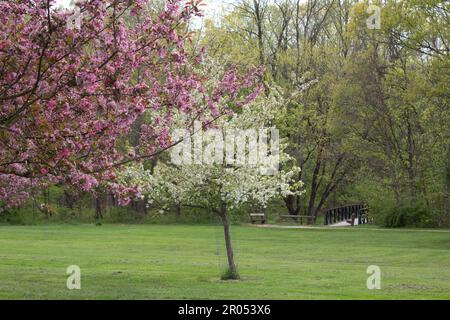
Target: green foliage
{"x":404,"y":215}
{"x":29,"y":214}
{"x":18,"y":217}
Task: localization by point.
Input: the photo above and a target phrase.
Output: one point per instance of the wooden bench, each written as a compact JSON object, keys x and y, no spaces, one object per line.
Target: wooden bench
{"x":296,"y":218}
{"x":255,"y":217}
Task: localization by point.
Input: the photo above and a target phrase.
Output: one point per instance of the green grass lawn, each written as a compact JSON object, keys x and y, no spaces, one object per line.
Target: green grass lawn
{"x":186,"y":261}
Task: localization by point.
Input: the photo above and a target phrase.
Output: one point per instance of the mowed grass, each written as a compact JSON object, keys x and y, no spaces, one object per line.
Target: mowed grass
{"x":186,"y":261}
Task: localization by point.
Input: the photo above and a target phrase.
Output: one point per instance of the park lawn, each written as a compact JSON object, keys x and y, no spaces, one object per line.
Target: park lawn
{"x":185,"y":262}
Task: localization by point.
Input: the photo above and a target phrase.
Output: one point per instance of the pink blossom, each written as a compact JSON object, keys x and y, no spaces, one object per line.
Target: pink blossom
{"x":81,"y":92}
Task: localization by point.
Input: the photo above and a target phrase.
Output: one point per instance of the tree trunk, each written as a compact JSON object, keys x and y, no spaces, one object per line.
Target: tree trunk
{"x":98,"y":208}
{"x":226,"y":229}
{"x":46,"y":195}
{"x":292,"y":204}
{"x":411,"y":164}
{"x":314,"y":184}
{"x":258,"y":15}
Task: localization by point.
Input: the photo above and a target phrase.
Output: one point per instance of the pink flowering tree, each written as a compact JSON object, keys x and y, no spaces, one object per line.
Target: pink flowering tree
{"x":69,"y":96}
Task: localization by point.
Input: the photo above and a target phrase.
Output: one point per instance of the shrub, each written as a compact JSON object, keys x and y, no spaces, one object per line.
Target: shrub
{"x":403,"y":215}
{"x":18,"y":217}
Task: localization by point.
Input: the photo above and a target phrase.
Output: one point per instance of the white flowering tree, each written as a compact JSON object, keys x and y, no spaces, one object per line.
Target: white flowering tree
{"x":221,"y":186}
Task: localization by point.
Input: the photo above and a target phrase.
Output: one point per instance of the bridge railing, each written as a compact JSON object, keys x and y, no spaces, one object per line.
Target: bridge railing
{"x":338,"y":214}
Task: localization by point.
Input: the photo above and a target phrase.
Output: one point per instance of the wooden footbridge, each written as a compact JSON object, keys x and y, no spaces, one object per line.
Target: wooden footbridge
{"x":350,"y":214}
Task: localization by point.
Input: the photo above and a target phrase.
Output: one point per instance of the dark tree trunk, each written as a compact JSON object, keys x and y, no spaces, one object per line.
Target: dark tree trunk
{"x":46,"y":195}
{"x":69,"y":199}
{"x":331,"y":186}
{"x":314,"y":184}
{"x":258,"y":14}
{"x":226,"y":229}
{"x":292,"y":204}
{"x":178,"y":211}
{"x":145,"y":207}
{"x":98,"y":208}
{"x":411,"y":164}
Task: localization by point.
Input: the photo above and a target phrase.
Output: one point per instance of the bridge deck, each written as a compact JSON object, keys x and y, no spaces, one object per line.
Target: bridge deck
{"x":343,"y":224}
